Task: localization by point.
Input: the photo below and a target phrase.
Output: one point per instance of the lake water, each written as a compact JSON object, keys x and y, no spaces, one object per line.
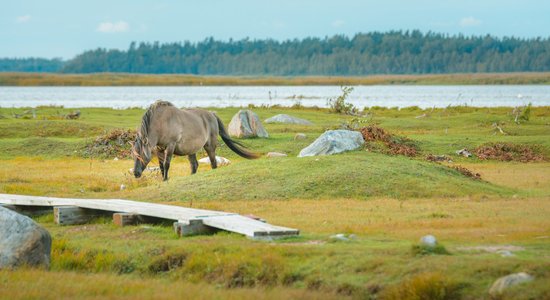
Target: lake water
{"x":224,"y":96}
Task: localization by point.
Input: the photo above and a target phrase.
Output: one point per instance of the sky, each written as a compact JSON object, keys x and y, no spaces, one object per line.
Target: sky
{"x":65,"y":28}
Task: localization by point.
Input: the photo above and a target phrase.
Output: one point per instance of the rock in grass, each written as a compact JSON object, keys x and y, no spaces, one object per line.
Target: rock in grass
{"x":286,"y":119}
{"x":505,"y":282}
{"x":222,"y":161}
{"x":428,"y":240}
{"x":332,"y":142}
{"x":22,"y":241}
{"x":300,"y":136}
{"x":464,"y":152}
{"x":245,"y":124}
{"x":276,"y":154}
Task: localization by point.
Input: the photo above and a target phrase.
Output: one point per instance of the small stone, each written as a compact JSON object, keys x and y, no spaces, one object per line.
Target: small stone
{"x":221,"y":161}
{"x":276,"y":154}
{"x":286,"y":119}
{"x":505,"y":253}
{"x":339,"y":237}
{"x":122,"y":187}
{"x":428,"y":240}
{"x":505,"y":282}
{"x":464,"y":152}
{"x":300,"y":136}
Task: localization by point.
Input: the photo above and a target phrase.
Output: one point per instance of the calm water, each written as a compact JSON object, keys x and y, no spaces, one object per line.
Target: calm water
{"x":223,"y":96}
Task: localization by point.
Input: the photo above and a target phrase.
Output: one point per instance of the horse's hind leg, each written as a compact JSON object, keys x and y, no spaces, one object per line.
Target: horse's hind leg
{"x":194,"y":163}
{"x":211,"y":151}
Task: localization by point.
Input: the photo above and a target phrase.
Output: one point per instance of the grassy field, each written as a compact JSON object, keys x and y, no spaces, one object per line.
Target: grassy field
{"x":127,"y":79}
{"x":388,"y":202}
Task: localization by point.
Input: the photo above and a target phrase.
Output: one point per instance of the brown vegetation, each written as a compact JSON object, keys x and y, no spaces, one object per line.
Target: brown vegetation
{"x":509,"y":152}
{"x":114,"y":143}
{"x":394,"y":145}
{"x":126,"y":79}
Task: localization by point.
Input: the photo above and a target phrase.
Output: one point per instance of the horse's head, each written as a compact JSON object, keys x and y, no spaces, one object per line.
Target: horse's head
{"x":141,"y":151}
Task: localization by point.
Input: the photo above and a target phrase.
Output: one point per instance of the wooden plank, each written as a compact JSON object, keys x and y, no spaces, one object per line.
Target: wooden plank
{"x":186,"y":216}
{"x":192,"y":227}
{"x":29,"y":210}
{"x":248,"y":226}
{"x":125,"y":219}
{"x":74,"y":215}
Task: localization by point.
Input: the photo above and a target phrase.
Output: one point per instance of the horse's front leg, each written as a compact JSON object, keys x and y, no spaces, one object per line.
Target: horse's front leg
{"x":168,"y":152}
{"x":160,"y":155}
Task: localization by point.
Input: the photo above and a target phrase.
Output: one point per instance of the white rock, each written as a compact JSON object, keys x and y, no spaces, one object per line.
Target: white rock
{"x":507,"y":281}
{"x":286,"y":119}
{"x":339,"y":237}
{"x":428,"y":240}
{"x":300,"y":136}
{"x":222,"y":161}
{"x":276,"y":154}
{"x":22,"y":241}
{"x":464,"y":152}
{"x":332,"y":142}
{"x":246,"y":124}
{"x":122,"y":187}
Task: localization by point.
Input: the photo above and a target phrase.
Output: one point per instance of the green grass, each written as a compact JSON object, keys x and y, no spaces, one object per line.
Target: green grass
{"x":389,"y":202}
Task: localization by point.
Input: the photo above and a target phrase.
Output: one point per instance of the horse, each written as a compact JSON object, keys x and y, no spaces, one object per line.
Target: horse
{"x":170,"y":130}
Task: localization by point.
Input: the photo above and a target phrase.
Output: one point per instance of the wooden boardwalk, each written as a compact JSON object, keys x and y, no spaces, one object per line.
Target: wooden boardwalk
{"x":187,"y":221}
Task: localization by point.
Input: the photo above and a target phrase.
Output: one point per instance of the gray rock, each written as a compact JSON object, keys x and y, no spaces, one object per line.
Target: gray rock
{"x":286,"y":119}
{"x":428,"y":240}
{"x":276,"y":154}
{"x":22,"y":241}
{"x":332,"y":142}
{"x":506,"y":253}
{"x":505,"y":282}
{"x":464,"y":152}
{"x":339,"y":237}
{"x":246,"y":124}
{"x":300,"y":136}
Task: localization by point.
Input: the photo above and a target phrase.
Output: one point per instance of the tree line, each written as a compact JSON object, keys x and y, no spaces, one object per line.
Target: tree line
{"x":395,"y":52}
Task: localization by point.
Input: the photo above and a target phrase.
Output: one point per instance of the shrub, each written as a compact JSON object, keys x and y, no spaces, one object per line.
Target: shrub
{"x":339,"y":104}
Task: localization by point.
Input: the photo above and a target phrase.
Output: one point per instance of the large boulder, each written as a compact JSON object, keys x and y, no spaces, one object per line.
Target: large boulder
{"x":286,"y":119}
{"x":22,"y":241}
{"x":246,"y":124}
{"x":505,"y":282}
{"x":332,"y":142}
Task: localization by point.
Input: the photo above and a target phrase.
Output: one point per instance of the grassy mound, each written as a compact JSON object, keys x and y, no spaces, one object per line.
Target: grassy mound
{"x":357,"y":175}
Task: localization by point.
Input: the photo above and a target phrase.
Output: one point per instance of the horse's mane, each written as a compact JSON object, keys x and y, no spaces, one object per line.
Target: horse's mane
{"x":146,"y":120}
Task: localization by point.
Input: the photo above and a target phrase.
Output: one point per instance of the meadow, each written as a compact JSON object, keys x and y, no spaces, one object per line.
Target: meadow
{"x":387,"y":202}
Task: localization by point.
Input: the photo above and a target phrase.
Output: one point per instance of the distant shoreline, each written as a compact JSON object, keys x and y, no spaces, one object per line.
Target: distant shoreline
{"x":128,"y":79}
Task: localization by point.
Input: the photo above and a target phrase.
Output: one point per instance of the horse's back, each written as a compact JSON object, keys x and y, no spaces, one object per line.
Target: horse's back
{"x":190,"y":129}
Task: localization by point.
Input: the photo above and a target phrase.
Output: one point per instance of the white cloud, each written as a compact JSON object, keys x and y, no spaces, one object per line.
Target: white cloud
{"x":338,"y":23}
{"x":113,"y":27}
{"x":23,"y":19}
{"x":469,"y":22}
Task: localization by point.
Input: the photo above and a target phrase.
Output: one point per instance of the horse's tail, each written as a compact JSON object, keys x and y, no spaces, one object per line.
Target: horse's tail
{"x":237,"y":147}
